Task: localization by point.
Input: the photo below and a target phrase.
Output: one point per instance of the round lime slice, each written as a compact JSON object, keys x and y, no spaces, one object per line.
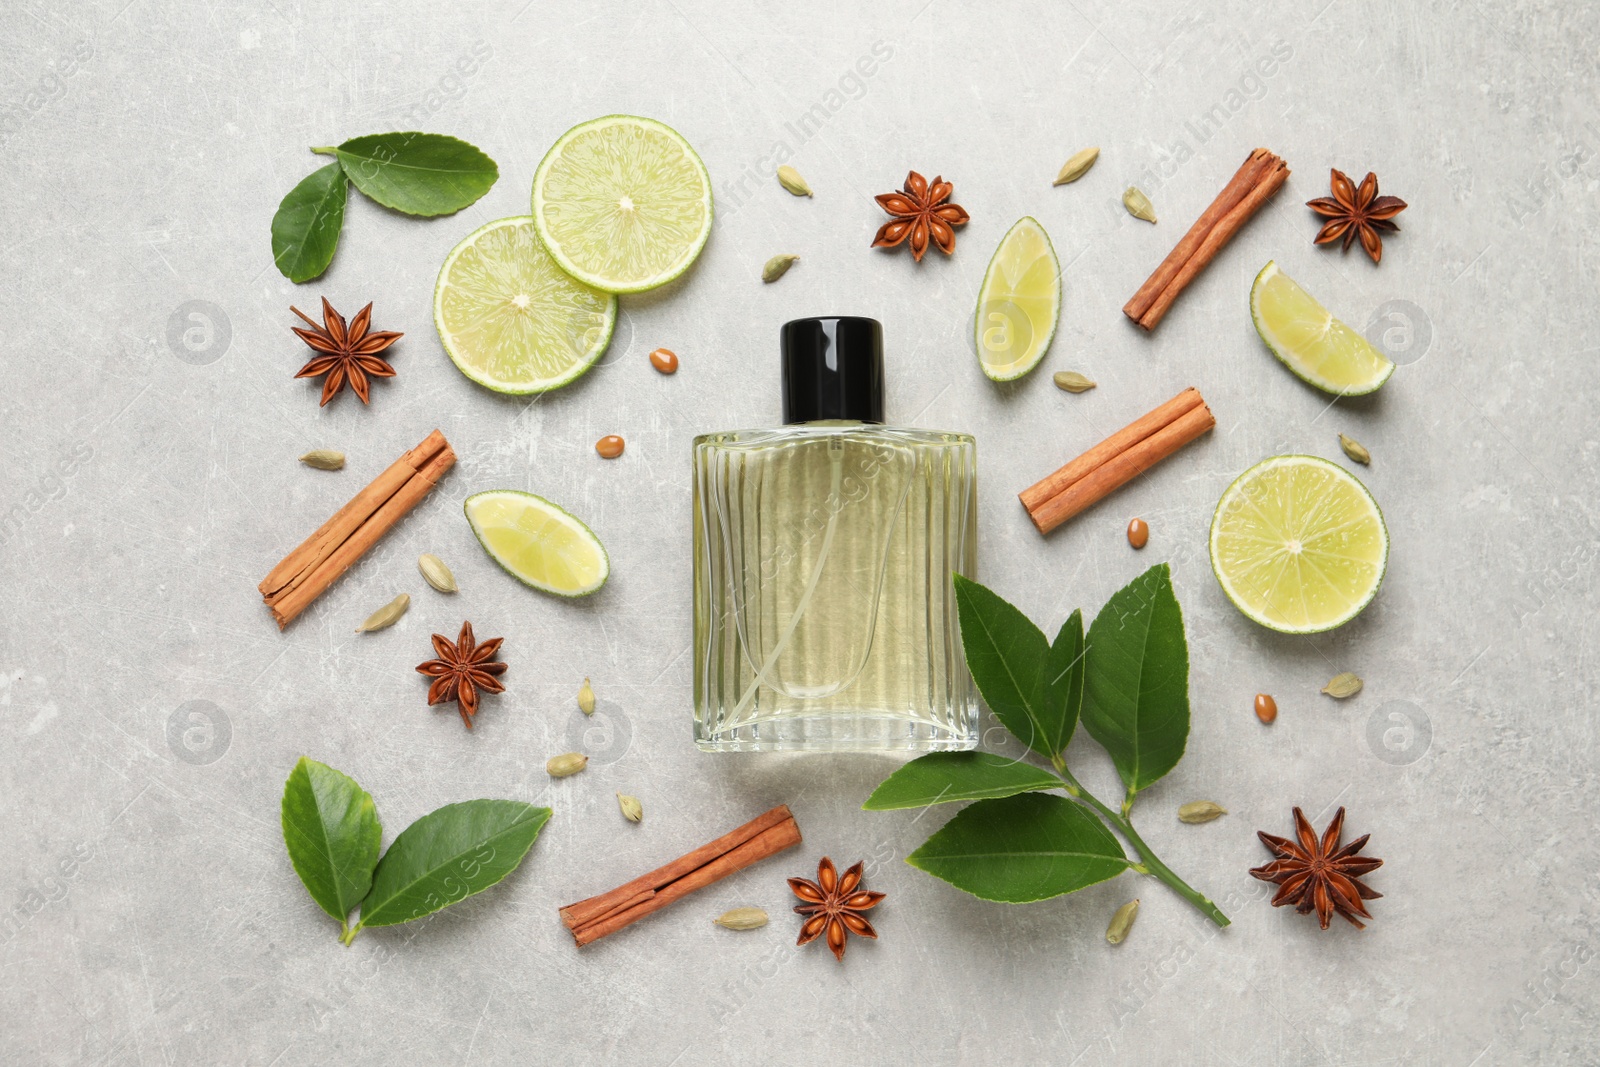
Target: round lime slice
{"x":511,"y":319}
{"x":538,"y":543}
{"x":622,"y":203}
{"x":1312,"y":343}
{"x":1019,"y":303}
{"x":1298,"y":544}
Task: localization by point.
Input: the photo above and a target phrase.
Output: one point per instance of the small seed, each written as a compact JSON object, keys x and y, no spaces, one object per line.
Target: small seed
{"x":1073,"y":382}
{"x":664,"y":360}
{"x":1122,"y":922}
{"x":632,"y":810}
{"x":567,"y":763}
{"x":742,"y":919}
{"x":1201,"y":811}
{"x":790,"y":179}
{"x":777,"y":267}
{"x":610,"y":446}
{"x":324,"y":459}
{"x":386,"y":616}
{"x":436,"y":573}
{"x":1138,"y":205}
{"x":1138,"y":533}
{"x":586,"y":698}
{"x":1266,"y":709}
{"x":1342,"y":686}
{"x":1077,"y":166}
{"x":1353,"y":449}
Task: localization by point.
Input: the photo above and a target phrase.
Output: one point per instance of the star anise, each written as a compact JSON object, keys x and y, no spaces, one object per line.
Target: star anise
{"x":349,"y":353}
{"x":834,"y":904}
{"x":1313,"y":874}
{"x":1353,"y":212}
{"x":920,"y":212}
{"x":461,"y":670}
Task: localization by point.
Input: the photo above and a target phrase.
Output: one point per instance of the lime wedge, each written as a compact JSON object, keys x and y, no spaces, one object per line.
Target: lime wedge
{"x":1319,"y":348}
{"x":511,"y":319}
{"x":1298,"y":544}
{"x":1019,"y":303}
{"x":539,"y":543}
{"x":623,"y":203}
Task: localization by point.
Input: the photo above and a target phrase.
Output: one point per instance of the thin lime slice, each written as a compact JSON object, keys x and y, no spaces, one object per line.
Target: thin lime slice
{"x":1298,"y":544}
{"x":511,"y":319}
{"x":623,"y":203}
{"x":1019,"y":303}
{"x":1313,"y":344}
{"x":538,"y":543}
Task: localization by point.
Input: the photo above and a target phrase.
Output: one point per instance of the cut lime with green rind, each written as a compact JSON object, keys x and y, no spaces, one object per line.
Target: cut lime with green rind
{"x":1318,"y":348}
{"x":1019,"y":303}
{"x":622,"y":203}
{"x":538,"y":543}
{"x":1299,"y":545}
{"x":511,"y":319}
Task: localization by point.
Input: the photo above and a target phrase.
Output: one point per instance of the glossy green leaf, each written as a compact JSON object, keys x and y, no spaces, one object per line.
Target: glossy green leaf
{"x":330,"y":827}
{"x":943,"y":777}
{"x":1136,"y":687}
{"x":305,"y":230}
{"x":1063,"y":681}
{"x":418,"y":173}
{"x":449,"y":855}
{"x":1008,"y":657}
{"x":1020,"y":848}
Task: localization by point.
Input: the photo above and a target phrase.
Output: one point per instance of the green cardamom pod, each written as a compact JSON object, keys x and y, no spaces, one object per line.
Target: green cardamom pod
{"x":1342,"y":686}
{"x":1077,"y":166}
{"x":568,"y":763}
{"x":1122,"y":922}
{"x":324,"y":459}
{"x":1138,"y":205}
{"x":386,"y":616}
{"x":742,"y":919}
{"x":586,"y":698}
{"x":436,"y":573}
{"x":777,"y":267}
{"x":632,"y":810}
{"x":1201,"y":811}
{"x":1353,"y":449}
{"x":1072,"y":381}
{"x":790,"y":179}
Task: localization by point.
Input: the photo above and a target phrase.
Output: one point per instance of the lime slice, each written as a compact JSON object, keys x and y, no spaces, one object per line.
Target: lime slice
{"x":539,"y":543}
{"x":1298,"y":544}
{"x":1319,"y":348}
{"x":511,"y":319}
{"x":1019,"y":303}
{"x":623,"y":203}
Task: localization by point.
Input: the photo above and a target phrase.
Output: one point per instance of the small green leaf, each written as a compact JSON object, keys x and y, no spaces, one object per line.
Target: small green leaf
{"x":448,"y":855}
{"x":1021,"y":848}
{"x":1063,"y":680}
{"x":1006,"y":654}
{"x":942,"y":777}
{"x":330,"y":827}
{"x":305,"y":231}
{"x":1136,"y":688}
{"x":418,"y":173}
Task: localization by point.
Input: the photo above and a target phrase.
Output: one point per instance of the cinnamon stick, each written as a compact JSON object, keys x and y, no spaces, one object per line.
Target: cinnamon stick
{"x":1117,"y":460}
{"x":1261,"y":175}
{"x":305,"y":573}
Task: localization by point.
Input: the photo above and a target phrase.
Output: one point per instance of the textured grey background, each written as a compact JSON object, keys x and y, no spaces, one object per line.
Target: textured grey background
{"x":151,"y":916}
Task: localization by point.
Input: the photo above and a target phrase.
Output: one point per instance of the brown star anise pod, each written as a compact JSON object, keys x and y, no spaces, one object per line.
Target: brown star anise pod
{"x":1313,"y":874}
{"x":1351,"y":212}
{"x":920,"y":212}
{"x":834,"y":904}
{"x":461,"y":670}
{"x":349,"y":353}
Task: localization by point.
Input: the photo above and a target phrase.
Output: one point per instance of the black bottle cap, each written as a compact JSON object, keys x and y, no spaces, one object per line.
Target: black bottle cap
{"x":832,"y":369}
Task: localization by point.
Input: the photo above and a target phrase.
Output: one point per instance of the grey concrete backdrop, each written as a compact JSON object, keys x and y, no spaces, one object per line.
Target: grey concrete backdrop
{"x":149,"y":425}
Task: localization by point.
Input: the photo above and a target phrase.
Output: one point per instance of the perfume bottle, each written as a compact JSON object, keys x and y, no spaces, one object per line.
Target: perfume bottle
{"x":824,"y":612}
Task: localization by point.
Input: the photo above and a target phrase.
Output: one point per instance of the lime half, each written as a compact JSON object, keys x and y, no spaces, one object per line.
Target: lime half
{"x":539,"y":543}
{"x":1019,"y":303}
{"x":1319,"y":348}
{"x":623,"y":203}
{"x":1298,"y":544}
{"x":511,"y":319}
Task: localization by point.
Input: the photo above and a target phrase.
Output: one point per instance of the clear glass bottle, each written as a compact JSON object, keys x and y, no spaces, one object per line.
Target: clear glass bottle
{"x":824,"y":615}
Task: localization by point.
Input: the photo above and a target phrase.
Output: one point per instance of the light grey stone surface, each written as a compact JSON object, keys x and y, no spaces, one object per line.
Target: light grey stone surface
{"x":147,"y":351}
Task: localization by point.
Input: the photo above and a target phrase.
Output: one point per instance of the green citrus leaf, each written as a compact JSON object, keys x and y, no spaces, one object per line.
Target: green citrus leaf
{"x":1031,"y":846}
{"x":418,"y":173}
{"x":330,"y":827}
{"x":1007,"y":655}
{"x":1063,"y":681}
{"x":449,"y":855}
{"x":942,"y":777}
{"x":305,"y":230}
{"x":1136,"y":688}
